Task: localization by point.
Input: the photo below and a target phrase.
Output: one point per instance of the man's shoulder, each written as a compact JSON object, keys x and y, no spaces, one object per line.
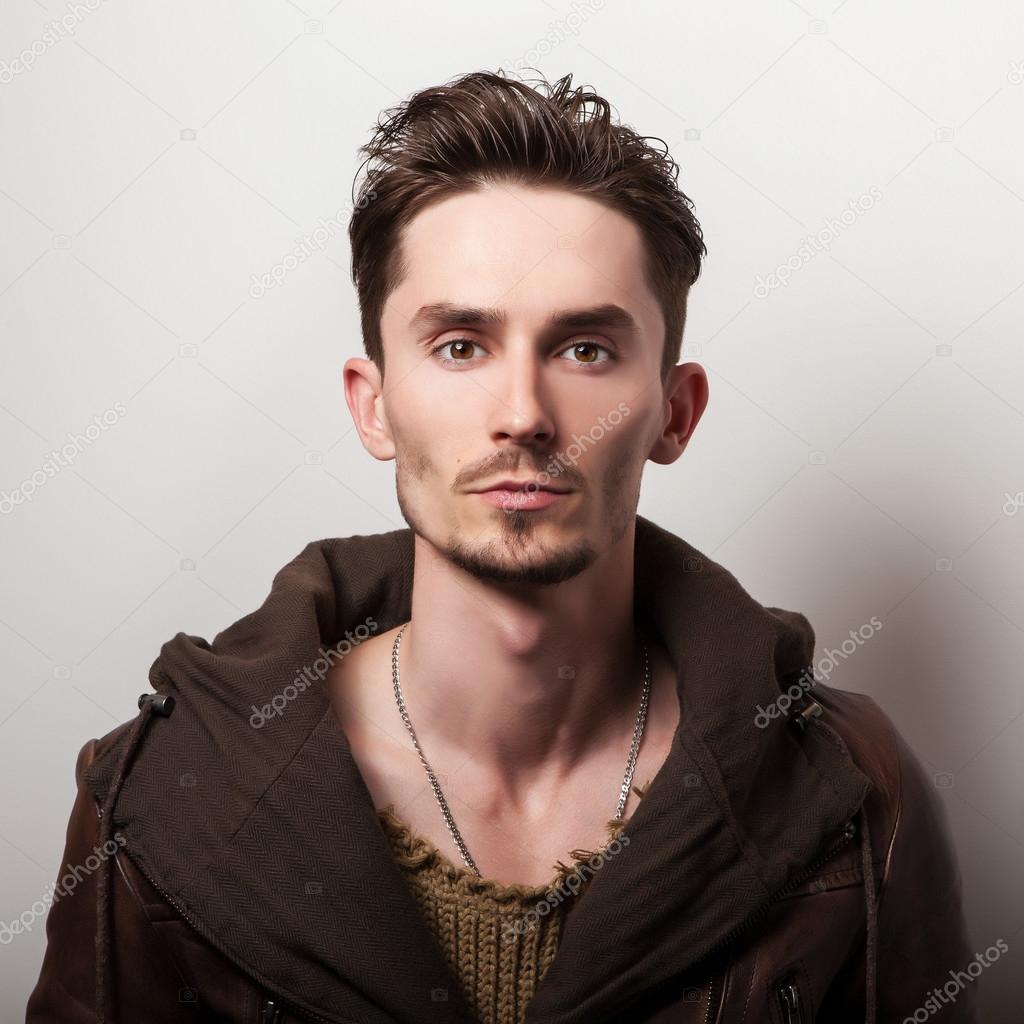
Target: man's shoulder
{"x":904,"y":797}
{"x":867,"y":731}
{"x":97,"y":748}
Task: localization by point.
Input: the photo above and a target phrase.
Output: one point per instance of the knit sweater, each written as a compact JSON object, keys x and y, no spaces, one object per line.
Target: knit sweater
{"x":498,"y":939}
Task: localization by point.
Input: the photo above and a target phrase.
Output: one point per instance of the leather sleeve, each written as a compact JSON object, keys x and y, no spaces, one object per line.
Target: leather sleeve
{"x":158,"y":971}
{"x":66,"y":989}
{"x":924,"y":948}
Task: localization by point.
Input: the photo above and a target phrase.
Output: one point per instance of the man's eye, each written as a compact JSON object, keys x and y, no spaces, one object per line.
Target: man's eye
{"x":462,"y":349}
{"x":590,"y":352}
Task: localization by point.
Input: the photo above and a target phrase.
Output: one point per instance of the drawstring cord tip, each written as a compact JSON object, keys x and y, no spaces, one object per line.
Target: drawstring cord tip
{"x":163,"y":703}
{"x":799,"y":719}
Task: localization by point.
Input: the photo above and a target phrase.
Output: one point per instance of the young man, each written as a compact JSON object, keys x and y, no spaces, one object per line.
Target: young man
{"x":534,"y":758}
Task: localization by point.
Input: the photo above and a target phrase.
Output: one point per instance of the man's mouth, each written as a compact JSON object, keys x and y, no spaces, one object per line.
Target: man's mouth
{"x":522,"y":495}
{"x":527,"y":485}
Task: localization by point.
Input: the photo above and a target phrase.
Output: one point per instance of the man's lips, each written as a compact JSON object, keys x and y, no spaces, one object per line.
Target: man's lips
{"x":523,"y":499}
{"x":520,"y":485}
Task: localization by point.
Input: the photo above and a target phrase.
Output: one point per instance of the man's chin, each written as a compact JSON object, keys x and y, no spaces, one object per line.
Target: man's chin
{"x":519,"y":559}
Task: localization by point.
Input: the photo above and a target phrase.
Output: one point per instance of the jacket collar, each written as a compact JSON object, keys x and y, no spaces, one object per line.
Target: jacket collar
{"x":268,"y":841}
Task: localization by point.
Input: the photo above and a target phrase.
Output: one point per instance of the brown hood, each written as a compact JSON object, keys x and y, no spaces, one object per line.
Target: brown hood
{"x":267,"y":840}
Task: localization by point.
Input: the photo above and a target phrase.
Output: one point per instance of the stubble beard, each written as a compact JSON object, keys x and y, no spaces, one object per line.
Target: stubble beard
{"x":515,"y":556}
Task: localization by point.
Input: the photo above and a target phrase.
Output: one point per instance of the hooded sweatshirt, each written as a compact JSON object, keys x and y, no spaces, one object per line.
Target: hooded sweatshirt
{"x":239,"y":799}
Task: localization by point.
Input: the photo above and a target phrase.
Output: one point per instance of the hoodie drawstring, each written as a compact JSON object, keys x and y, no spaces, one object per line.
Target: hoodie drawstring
{"x":149,"y":704}
{"x":871,"y":944}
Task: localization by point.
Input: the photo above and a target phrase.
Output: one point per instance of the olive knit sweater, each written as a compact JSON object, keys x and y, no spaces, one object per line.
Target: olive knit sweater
{"x":495,"y":938}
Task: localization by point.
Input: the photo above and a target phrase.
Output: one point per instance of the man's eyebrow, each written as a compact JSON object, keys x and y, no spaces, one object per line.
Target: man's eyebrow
{"x":607,"y":315}
{"x":441,"y":314}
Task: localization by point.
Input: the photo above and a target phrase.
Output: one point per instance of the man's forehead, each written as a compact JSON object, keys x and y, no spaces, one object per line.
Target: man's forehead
{"x":508,"y":222}
{"x":478,"y":256}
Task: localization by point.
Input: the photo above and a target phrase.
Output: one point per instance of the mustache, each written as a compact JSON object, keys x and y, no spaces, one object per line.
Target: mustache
{"x":552,"y":468}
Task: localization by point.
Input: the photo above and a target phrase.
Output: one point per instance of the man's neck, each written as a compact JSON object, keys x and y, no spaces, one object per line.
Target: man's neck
{"x":525,"y":687}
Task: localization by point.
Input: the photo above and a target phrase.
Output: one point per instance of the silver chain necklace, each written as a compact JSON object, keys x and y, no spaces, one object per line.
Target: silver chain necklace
{"x":627,"y":779}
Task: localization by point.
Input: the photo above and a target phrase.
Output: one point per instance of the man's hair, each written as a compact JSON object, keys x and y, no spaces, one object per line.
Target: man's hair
{"x":483,"y":128}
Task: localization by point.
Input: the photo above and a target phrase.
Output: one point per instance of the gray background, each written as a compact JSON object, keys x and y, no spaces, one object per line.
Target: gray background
{"x":866,"y":423}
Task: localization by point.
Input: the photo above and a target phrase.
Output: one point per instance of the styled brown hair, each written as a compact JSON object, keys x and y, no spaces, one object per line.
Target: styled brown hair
{"x":483,"y":128}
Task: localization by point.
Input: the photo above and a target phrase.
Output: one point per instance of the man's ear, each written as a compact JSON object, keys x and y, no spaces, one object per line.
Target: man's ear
{"x":364,"y":390}
{"x":686,"y":397}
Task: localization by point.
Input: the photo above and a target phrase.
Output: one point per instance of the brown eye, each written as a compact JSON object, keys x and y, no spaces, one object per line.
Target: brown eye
{"x":587,"y":352}
{"x":461,"y":348}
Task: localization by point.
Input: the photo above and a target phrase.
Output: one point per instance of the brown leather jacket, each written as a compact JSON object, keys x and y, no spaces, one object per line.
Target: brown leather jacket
{"x":750,"y":911}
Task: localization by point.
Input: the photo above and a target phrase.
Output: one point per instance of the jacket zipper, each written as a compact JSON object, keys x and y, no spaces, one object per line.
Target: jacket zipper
{"x":712,"y":1001}
{"x":789,"y":1000}
{"x":849,"y":831}
{"x":793,"y":1015}
{"x":271,"y":1008}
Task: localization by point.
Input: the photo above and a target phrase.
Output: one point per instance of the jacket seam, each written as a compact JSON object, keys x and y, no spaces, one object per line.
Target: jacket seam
{"x":299,"y":748}
{"x":90,"y":754}
{"x":723,"y":807}
{"x":750,"y":985}
{"x":884,"y":886}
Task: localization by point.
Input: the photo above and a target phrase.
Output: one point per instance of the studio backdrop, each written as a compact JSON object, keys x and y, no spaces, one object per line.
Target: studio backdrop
{"x":176,"y":307}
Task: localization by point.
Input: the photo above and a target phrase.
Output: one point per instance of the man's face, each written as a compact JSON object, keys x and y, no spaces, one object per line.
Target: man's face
{"x":574,"y":405}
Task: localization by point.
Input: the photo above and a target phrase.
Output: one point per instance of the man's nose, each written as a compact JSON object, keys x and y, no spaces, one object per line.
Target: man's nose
{"x":521,"y":409}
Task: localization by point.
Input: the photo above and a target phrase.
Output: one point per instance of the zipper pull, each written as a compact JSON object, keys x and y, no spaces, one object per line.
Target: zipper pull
{"x":271,"y":1012}
{"x":789,"y":1000}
